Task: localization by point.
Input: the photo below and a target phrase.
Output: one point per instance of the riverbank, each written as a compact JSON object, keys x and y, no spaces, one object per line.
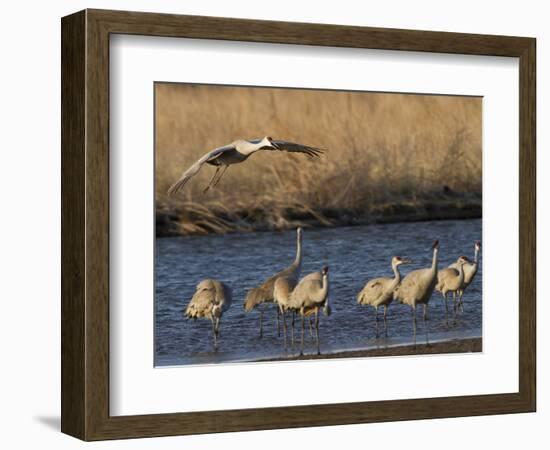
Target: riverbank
{"x":196,"y":219}
{"x":468,"y":345}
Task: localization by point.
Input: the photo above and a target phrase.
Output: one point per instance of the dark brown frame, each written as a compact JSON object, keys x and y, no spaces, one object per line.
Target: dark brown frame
{"x":85,"y":224}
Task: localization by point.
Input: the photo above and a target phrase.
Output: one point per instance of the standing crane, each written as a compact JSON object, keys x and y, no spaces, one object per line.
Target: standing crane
{"x":211,"y":299}
{"x":263,"y":293}
{"x":470,"y":271}
{"x":451,"y":279}
{"x":379,"y":291}
{"x":308,"y":297}
{"x":282,"y":289}
{"x":417,"y":287}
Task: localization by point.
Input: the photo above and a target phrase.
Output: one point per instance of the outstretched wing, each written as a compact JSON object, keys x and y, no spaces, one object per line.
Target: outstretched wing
{"x":194,"y":169}
{"x":312,"y":152}
{"x":262,"y":293}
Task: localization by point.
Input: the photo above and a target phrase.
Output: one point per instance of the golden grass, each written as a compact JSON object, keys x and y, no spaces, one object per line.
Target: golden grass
{"x":381,"y":149}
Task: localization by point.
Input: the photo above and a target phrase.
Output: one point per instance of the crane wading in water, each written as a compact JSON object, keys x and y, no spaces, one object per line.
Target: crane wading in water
{"x":282,"y":289}
{"x":264,"y":292}
{"x":310,"y":295}
{"x":417,"y":288}
{"x":451,"y":279}
{"x":238,"y":152}
{"x":379,"y":291}
{"x":211,"y":299}
{"x":470,"y":270}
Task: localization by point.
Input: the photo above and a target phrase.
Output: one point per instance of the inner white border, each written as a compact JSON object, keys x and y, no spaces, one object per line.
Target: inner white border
{"x":138,"y":388}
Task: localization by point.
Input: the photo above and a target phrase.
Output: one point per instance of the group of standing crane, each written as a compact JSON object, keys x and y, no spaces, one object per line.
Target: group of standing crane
{"x":417,"y":287}
{"x":309,"y":295}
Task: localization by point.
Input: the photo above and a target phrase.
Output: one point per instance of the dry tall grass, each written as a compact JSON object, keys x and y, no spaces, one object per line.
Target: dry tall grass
{"x":383,"y":149}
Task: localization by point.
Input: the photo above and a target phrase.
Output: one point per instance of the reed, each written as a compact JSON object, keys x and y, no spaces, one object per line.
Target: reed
{"x":385,"y":152}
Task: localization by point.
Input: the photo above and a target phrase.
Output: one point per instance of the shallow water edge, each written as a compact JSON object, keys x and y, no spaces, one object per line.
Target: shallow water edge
{"x":466,"y":345}
{"x":435,"y":346}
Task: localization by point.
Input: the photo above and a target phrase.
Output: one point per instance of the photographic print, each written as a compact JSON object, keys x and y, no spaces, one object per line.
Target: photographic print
{"x":298,"y":224}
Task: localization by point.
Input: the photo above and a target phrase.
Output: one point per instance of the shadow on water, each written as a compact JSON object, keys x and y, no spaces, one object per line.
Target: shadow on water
{"x":355,"y":255}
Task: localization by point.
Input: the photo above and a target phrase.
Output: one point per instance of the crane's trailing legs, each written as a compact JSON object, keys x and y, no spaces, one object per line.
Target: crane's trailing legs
{"x":212,"y":179}
{"x":220,"y":176}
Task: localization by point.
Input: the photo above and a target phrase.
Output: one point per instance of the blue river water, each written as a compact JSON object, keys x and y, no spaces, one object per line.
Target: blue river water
{"x":354,"y":255}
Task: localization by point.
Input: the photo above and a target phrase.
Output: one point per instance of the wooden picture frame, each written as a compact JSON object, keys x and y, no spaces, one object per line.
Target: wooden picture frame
{"x":85,"y":224}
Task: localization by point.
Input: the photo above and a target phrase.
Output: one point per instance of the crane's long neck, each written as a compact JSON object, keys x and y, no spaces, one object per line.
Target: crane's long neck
{"x":247,"y":148}
{"x":247,"y":151}
{"x":397,"y":275}
{"x":434,"y":261}
{"x":461,"y":273}
{"x":473,"y":267}
{"x":323,"y":293}
{"x":298,"y":260}
{"x":476,"y":256}
{"x":326,"y":307}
